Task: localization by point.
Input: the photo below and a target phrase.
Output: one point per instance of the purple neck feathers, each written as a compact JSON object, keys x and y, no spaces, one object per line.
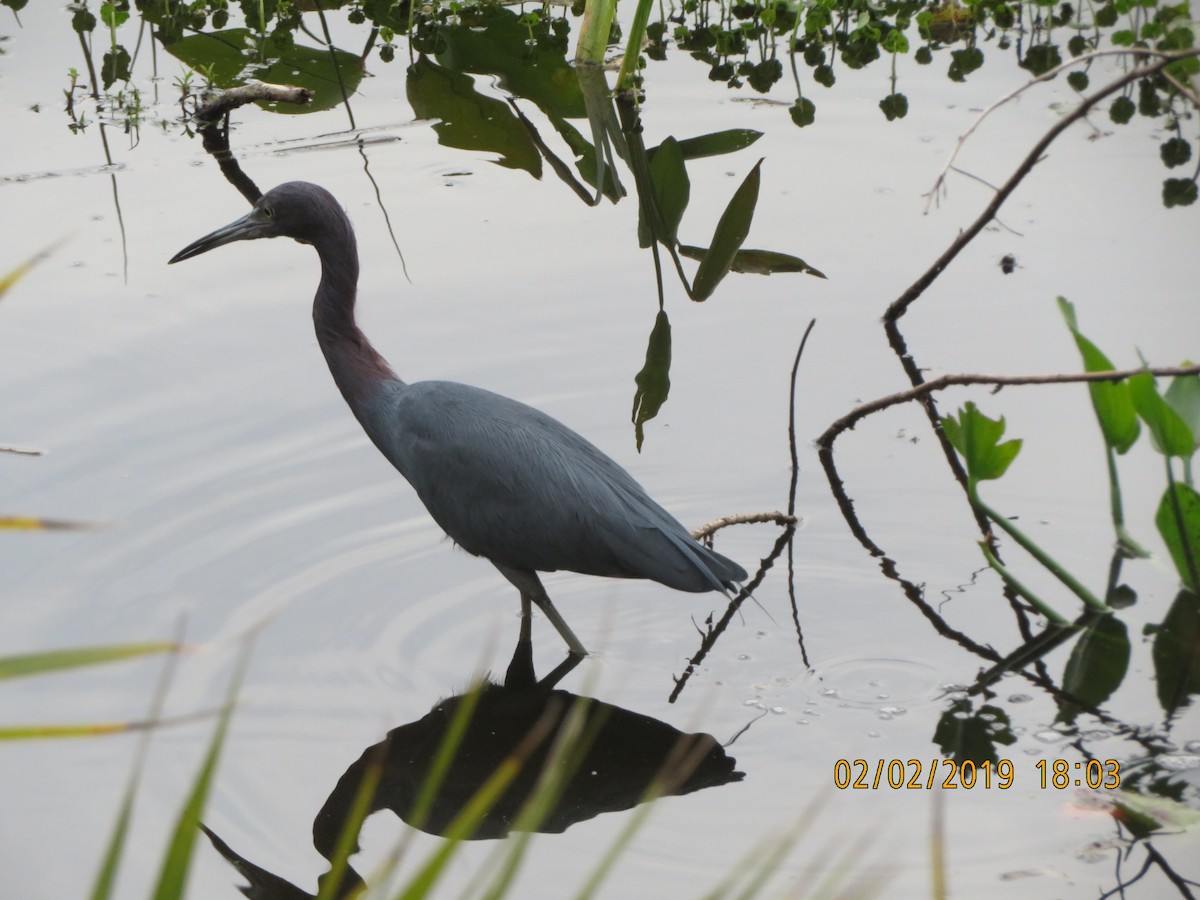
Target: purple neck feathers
{"x":356,"y":366}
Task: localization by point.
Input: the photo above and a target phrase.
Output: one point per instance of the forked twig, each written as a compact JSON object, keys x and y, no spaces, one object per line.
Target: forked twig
{"x":939,"y":184}
{"x":900,"y":305}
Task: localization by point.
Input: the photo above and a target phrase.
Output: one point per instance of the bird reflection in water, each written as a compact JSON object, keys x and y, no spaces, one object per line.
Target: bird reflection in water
{"x":504,"y":480}
{"x":609,"y":759}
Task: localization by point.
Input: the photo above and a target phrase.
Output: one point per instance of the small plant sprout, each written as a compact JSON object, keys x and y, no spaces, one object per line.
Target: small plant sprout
{"x":977,"y":440}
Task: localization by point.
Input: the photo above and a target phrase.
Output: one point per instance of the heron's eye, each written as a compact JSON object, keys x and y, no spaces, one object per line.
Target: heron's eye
{"x":268,"y":212}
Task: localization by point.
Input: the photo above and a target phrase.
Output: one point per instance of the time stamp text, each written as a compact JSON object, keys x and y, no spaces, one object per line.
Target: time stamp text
{"x":927,"y":774}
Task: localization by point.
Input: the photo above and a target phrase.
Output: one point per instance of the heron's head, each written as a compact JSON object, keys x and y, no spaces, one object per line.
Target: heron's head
{"x":296,"y":209}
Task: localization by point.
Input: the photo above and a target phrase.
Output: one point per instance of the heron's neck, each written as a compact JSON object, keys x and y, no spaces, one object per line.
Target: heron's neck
{"x":356,"y":366}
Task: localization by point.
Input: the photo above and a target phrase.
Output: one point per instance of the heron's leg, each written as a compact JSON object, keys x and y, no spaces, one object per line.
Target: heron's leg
{"x":531,"y":589}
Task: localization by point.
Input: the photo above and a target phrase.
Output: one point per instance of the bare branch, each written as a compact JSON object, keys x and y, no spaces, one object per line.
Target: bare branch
{"x":775,"y":518}
{"x":852,"y":418}
{"x":229,"y":100}
{"x":899,"y":306}
{"x":939,"y":185}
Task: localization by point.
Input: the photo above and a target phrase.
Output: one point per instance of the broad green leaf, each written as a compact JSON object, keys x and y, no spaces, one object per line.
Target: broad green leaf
{"x":730,"y":233}
{"x":977,"y":439}
{"x":757,"y":262}
{"x":672,"y":187}
{"x":115,"y":67}
{"x":894,"y":106}
{"x":1096,"y":667}
{"x":1178,"y":521}
{"x":230,"y":58}
{"x":72,"y":658}
{"x":1183,"y":395}
{"x":1169,"y":433}
{"x":1176,"y":662}
{"x":654,"y":381}
{"x":1110,"y":400}
{"x":495,"y":43}
{"x":112,"y":15}
{"x":469,"y":120}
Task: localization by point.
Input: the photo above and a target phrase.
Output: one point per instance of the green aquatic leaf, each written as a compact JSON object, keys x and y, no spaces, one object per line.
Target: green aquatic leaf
{"x":1169,"y":433}
{"x":1183,"y":396}
{"x":1178,"y":521}
{"x":672,"y":187}
{"x":963,"y":733}
{"x":1179,"y":192}
{"x":1111,"y":400}
{"x":977,"y":439}
{"x":231,"y":58}
{"x":730,"y":233}
{"x":1097,"y":666}
{"x":1175,"y":152}
{"x":894,"y":106}
{"x":654,"y":380}
{"x":495,"y":43}
{"x":468,"y":119}
{"x":1176,"y":662}
{"x":803,"y":111}
{"x":115,"y":67}
{"x":1122,"y":110}
{"x":757,"y":262}
{"x":717,"y":143}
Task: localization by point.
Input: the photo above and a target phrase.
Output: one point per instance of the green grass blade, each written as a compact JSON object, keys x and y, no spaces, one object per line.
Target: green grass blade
{"x":33,"y":523}
{"x":331,"y":884}
{"x":172,"y":879}
{"x":106,"y":877}
{"x":14,"y":275}
{"x":432,"y":782}
{"x":762,"y":853}
{"x":74,"y":657}
{"x":86,"y":729}
{"x":462,"y":827}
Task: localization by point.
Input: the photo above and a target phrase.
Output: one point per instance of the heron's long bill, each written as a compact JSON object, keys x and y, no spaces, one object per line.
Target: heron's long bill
{"x":247,"y":228}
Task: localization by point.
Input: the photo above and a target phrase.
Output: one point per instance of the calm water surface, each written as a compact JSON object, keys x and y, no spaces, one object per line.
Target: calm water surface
{"x":189,"y":409}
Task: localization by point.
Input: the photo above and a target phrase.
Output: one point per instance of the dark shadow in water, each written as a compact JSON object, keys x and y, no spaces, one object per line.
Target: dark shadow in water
{"x":608,"y":759}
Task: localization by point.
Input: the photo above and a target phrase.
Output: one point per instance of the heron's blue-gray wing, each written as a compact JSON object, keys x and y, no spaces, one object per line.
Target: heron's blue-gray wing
{"x":516,"y":486}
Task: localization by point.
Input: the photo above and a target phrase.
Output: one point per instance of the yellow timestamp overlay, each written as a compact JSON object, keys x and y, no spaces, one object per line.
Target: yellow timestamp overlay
{"x":950,"y":774}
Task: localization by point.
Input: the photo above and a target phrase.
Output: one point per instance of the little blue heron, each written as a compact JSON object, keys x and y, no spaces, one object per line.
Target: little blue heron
{"x":503,"y":480}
